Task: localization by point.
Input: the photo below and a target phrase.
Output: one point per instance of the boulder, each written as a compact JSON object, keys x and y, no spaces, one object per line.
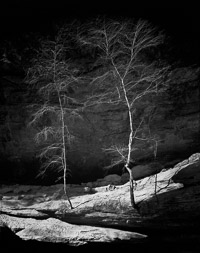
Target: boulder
{"x":6,"y":189}
{"x":193,"y":158}
{"x":141,"y":171}
{"x":112,"y":179}
{"x":125,"y":178}
{"x":22,"y":189}
{"x":189,"y":175}
{"x":89,"y":184}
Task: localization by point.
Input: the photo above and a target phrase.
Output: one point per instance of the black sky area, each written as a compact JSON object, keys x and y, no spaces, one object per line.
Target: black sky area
{"x":181,"y":24}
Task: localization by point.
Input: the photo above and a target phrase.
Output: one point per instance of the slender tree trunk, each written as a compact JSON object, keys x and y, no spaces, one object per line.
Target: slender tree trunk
{"x":64,"y":151}
{"x":130,"y":143}
{"x":63,"y":134}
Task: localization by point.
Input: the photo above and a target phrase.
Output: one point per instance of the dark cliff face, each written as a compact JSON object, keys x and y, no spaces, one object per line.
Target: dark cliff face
{"x":175,"y":122}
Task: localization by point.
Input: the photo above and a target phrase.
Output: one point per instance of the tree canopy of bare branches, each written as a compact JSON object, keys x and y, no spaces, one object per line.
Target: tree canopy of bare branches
{"x":53,"y":76}
{"x":127,"y":76}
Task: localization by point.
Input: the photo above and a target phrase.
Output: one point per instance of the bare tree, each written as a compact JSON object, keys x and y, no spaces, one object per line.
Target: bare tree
{"x":127,"y":76}
{"x":53,"y":77}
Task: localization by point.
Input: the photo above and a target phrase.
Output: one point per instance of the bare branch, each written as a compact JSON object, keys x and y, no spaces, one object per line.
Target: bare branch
{"x":43,"y":110}
{"x":44,"y":134}
{"x":53,"y":76}
{"x":128,"y":77}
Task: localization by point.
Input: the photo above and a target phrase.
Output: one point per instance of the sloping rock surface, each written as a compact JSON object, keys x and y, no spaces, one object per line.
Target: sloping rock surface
{"x":54,"y":230}
{"x":168,"y":199}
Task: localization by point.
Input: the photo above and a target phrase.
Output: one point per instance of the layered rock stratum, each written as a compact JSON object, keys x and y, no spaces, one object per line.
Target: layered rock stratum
{"x":169,"y":199}
{"x":175,"y":123}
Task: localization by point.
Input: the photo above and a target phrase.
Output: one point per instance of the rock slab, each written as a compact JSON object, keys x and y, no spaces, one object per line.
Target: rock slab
{"x":54,"y":230}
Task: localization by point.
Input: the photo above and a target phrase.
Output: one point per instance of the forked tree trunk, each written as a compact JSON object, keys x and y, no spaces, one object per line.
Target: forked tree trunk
{"x":130,"y":143}
{"x":132,"y":187}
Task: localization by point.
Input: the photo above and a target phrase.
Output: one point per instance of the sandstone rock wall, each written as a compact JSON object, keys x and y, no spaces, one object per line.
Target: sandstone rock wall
{"x":176,"y":123}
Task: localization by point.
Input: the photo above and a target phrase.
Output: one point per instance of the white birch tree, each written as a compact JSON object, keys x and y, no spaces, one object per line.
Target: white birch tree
{"x":127,"y":76}
{"x":53,"y":78}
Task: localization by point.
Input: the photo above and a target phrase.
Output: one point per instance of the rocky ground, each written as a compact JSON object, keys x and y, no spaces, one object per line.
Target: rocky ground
{"x":101,"y":210}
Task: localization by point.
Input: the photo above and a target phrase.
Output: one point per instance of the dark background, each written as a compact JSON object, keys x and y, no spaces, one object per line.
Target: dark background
{"x":180,"y":23}
{"x":17,"y":18}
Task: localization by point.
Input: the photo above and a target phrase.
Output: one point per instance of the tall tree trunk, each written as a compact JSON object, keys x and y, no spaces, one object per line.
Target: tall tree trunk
{"x":64,"y":152}
{"x":130,"y":143}
{"x":63,"y":133}
{"x":131,"y":135}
